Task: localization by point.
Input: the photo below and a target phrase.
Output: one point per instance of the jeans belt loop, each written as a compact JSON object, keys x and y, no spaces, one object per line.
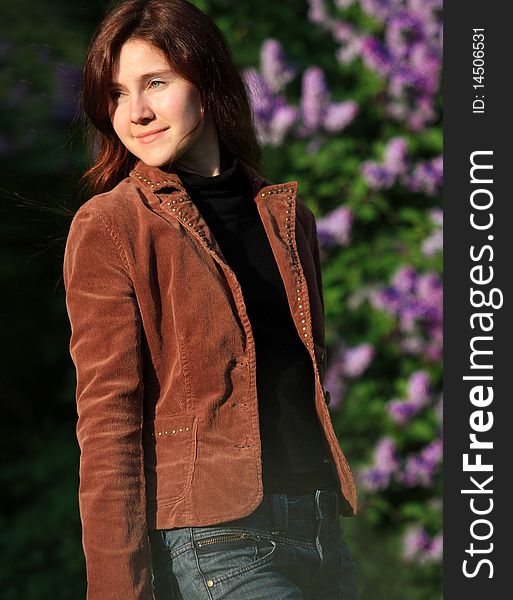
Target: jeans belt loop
{"x":326,"y":504}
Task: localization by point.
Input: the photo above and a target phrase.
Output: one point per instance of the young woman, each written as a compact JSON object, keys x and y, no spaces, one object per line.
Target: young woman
{"x":209,"y":466}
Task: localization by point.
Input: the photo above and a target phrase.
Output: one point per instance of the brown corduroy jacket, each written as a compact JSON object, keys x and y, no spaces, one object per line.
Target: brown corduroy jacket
{"x":166,"y":372}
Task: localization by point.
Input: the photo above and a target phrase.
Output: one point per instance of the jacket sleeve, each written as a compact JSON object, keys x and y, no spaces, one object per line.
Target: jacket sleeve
{"x":105,"y":348}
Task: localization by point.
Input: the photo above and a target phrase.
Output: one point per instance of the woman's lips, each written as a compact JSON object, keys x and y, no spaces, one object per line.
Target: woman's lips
{"x":147,"y":138}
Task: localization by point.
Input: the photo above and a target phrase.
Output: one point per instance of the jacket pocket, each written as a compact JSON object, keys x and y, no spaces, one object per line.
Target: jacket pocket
{"x":169,"y":457}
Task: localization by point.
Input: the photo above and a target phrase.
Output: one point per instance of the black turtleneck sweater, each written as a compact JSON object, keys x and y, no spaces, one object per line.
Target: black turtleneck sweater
{"x":295,"y":457}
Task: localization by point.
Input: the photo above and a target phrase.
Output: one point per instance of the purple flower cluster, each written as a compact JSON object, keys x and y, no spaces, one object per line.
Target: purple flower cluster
{"x":426,"y":177}
{"x":349,"y":40}
{"x":417,"y":300}
{"x":317,"y":111}
{"x":274,"y":117}
{"x":408,"y":56}
{"x":276,"y":69}
{"x":418,"y":469}
{"x":421,"y":468}
{"x":417,"y":397}
{"x":434,"y":242}
{"x":317,"y":12}
{"x":395,"y":164}
{"x":335,"y":228}
{"x":347,"y":363}
{"x":385,"y":462}
{"x":420,"y":548}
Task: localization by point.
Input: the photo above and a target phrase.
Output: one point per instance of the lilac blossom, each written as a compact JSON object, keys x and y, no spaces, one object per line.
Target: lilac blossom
{"x":317,"y":111}
{"x":314,"y":99}
{"x":317,"y":12}
{"x":275,"y":68}
{"x":377,"y":176}
{"x":282,"y":121}
{"x":430,"y":12}
{"x":433,"y":243}
{"x":345,"y":363}
{"x":395,"y":163}
{"x":418,"y":387}
{"x":425,"y":59}
{"x":349,"y":39}
{"x":415,"y":541}
{"x":405,"y":80}
{"x":430,"y":292}
{"x":417,"y":396}
{"x":426,"y":177}
{"x":379,"y":9}
{"x":404,"y":30}
{"x":433,"y":350}
{"x":408,"y":56}
{"x":339,"y":115}
{"x":422,"y":113}
{"x":436,"y":549}
{"x":373,"y":478}
{"x":385,"y":462}
{"x":418,"y":303}
{"x":415,"y":470}
{"x":395,"y":155}
{"x":401,"y":411}
{"x":405,"y":279}
{"x":273,"y":116}
{"x":420,"y":468}
{"x":437,"y":216}
{"x":420,"y":548}
{"x":261,"y":96}
{"x":335,"y":227}
{"x":375,"y":55}
{"x":357,"y":359}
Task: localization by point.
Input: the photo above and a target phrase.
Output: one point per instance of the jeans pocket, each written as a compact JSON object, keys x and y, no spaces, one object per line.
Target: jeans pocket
{"x":228,"y":553}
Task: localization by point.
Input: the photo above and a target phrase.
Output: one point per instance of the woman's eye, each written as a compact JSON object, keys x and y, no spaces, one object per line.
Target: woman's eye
{"x":114,"y":96}
{"x":156,"y":83}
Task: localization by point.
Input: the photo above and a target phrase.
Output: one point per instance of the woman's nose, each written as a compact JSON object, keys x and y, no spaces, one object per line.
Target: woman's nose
{"x":140,"y":109}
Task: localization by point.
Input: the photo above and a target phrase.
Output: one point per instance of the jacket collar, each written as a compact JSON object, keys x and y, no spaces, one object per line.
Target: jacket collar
{"x":157,"y":179}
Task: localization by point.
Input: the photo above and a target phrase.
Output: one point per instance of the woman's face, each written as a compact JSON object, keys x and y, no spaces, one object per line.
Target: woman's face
{"x":152,"y":108}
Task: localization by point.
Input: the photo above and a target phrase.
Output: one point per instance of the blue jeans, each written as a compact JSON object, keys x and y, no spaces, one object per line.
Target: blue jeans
{"x":290,"y":548}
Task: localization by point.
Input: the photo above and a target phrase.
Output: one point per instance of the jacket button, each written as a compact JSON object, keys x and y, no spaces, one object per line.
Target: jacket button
{"x":327,"y":396}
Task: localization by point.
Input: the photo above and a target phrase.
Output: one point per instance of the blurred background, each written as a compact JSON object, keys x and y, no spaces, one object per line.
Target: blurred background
{"x":346,"y":95}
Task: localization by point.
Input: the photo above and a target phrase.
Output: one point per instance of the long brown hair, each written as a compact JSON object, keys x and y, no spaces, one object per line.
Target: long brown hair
{"x":196,"y":49}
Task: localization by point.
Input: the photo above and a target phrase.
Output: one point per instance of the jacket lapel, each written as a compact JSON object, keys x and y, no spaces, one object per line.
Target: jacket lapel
{"x":276,"y":204}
